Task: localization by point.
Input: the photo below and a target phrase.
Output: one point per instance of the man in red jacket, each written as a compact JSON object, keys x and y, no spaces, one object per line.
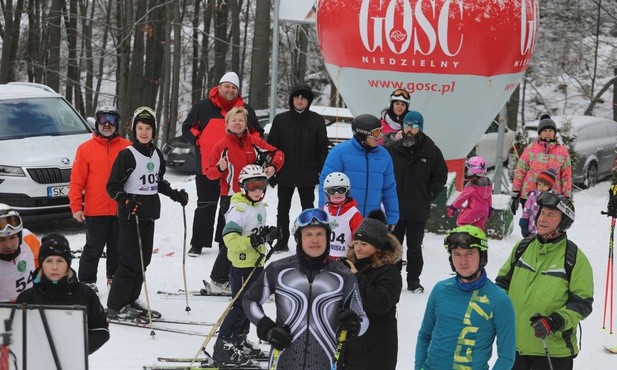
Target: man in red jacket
{"x":89,"y":200}
{"x":204,"y":126}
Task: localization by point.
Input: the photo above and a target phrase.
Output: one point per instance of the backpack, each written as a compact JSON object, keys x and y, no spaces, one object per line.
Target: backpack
{"x":570,"y":256}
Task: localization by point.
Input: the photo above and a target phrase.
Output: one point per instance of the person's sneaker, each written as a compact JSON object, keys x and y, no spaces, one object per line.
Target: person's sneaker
{"x":125,"y":313}
{"x":194,"y":251}
{"x":93,"y":287}
{"x":249,"y":349}
{"x":226,"y":353}
{"x":415,"y":287}
{"x":143,"y":308}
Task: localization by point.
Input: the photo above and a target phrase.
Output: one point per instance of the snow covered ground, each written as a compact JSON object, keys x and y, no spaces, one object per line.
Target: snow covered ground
{"x":131,"y":348}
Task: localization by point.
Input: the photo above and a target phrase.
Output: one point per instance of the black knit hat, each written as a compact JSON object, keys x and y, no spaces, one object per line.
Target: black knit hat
{"x":546,"y":123}
{"x":55,"y":244}
{"x":373,"y":230}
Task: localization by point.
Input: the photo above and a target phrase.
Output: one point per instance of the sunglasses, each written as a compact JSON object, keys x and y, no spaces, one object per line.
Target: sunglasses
{"x":337,"y":189}
{"x":401,"y":92}
{"x":254,"y":184}
{"x":112,"y":119}
{"x":411,"y":124}
{"x":9,"y":224}
{"x":312,"y":216}
{"x":465,"y":240}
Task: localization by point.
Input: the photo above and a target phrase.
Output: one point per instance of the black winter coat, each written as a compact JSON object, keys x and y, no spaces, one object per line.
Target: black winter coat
{"x":380,"y":285}
{"x":68,"y":292}
{"x":421,"y":174}
{"x":303,"y":139}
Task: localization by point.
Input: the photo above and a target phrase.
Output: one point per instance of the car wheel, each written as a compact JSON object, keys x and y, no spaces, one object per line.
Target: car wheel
{"x":591,"y":175}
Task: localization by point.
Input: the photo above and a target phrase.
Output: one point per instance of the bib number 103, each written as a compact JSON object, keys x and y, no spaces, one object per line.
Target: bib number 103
{"x":151,"y":178}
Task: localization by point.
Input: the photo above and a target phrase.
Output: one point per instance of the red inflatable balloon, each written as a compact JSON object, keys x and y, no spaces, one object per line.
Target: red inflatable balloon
{"x":460,"y":60}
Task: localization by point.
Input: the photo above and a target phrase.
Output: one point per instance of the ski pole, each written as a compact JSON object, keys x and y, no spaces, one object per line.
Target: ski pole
{"x":342,"y":337}
{"x":186,"y":292}
{"x":275,"y":358}
{"x":609,"y":277}
{"x":143,"y":274}
{"x":230,"y":305}
{"x":548,"y":357}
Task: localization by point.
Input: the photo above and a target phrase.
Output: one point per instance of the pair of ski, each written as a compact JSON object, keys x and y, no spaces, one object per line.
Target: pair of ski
{"x":144,"y":324}
{"x":206,"y":291}
{"x":205,"y":363}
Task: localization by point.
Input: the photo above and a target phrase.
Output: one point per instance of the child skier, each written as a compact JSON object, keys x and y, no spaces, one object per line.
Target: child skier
{"x":477,"y":194}
{"x":545,"y":181}
{"x":343,"y":211}
{"x":135,"y":180}
{"x":245,"y":235}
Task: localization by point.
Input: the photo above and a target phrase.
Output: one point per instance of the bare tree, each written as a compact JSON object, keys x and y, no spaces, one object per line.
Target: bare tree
{"x":260,"y":71}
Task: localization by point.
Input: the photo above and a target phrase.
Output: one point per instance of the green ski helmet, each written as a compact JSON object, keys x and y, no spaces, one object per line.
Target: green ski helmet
{"x":467,"y":236}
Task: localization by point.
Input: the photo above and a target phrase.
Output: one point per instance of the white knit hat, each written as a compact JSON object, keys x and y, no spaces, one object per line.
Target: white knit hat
{"x":230,"y":77}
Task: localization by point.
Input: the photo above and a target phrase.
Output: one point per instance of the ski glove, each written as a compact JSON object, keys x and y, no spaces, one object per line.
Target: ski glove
{"x":132,"y":206}
{"x":451,"y":211}
{"x":524,"y":224}
{"x":612,"y":201}
{"x":267,"y":235}
{"x":180,"y":196}
{"x":516,"y":200}
{"x":544,"y":325}
{"x":349,"y":320}
{"x":278,"y":336}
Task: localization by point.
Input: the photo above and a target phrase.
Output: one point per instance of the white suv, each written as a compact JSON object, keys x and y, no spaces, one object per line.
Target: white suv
{"x":39,"y":135}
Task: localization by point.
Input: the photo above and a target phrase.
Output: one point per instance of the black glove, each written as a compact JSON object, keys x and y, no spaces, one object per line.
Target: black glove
{"x":180,"y":196}
{"x":544,"y":325}
{"x":524,"y":224}
{"x":279,"y":337}
{"x":132,"y":206}
{"x":516,"y":200}
{"x":612,"y":201}
{"x":349,"y":320}
{"x":267,"y":235}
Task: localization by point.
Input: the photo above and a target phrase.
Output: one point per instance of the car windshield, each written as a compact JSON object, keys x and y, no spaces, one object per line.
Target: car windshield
{"x":21,"y":118}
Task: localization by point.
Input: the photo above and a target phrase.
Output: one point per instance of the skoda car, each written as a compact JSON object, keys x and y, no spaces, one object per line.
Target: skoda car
{"x":39,"y":135}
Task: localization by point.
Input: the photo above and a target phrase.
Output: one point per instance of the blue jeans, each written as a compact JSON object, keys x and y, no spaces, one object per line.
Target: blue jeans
{"x":236,"y":323}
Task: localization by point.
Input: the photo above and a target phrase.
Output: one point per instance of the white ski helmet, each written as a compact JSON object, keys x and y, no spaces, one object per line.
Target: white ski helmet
{"x":337,"y":180}
{"x":10,"y":221}
{"x":249,"y":172}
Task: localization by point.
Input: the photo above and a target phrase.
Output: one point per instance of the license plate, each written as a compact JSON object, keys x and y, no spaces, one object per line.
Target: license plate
{"x":58,"y":191}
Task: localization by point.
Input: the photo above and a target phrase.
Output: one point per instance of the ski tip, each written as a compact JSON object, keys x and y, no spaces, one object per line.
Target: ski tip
{"x":611,"y":349}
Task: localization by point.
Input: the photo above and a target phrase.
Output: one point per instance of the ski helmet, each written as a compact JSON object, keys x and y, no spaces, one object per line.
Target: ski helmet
{"x":476,"y":166}
{"x":365,"y":125}
{"x":107,"y":114}
{"x":559,"y":202}
{"x":10,"y":222}
{"x":145,"y":115}
{"x":312,"y":217}
{"x":467,"y":237}
{"x":252,"y":172}
{"x":401,"y":95}
{"x":336,"y":181}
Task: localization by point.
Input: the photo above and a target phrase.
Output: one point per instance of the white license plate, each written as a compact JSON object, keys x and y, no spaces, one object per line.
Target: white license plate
{"x":58,"y":191}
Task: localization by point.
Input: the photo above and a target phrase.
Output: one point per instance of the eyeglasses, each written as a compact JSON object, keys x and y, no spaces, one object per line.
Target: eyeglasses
{"x":254,"y":184}
{"x":374,"y":133}
{"x":337,"y":189}
{"x":10,"y":224}
{"x":312,"y":216}
{"x":465,"y":240}
{"x":401,"y":92}
{"x":112,"y":119}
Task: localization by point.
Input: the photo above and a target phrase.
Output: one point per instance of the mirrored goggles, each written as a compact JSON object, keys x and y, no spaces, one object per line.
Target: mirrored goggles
{"x":10,"y":224}
{"x":111,"y":119}
{"x":337,"y":189}
{"x":254,"y":184}
{"x":411,"y":124}
{"x":312,"y":216}
{"x":374,"y":133}
{"x":401,"y":92}
{"x":465,"y":240}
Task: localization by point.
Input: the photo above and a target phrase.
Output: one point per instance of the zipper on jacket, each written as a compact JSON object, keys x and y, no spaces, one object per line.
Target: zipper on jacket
{"x":308,"y":321}
{"x":366,"y":185}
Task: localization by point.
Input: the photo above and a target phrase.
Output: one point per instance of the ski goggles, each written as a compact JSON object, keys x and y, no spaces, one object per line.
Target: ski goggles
{"x":401,"y":93}
{"x":312,"y":216}
{"x":10,"y":223}
{"x":412,"y":124}
{"x":145,"y":114}
{"x":111,"y":119}
{"x":465,"y":240}
{"x":254,"y":184}
{"x":552,"y":200}
{"x":336,"y":189}
{"x":374,"y":133}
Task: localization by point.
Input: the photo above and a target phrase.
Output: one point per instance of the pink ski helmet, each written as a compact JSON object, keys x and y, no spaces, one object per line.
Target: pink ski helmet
{"x":476,"y":166}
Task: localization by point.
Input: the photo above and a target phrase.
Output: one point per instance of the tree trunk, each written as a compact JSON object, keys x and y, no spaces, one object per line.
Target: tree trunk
{"x":136,"y":86}
{"x":234,"y":36}
{"x":124,"y":13}
{"x":73,"y":83}
{"x":196,"y":76}
{"x":299,"y":55}
{"x":220,"y":42}
{"x":260,"y":68}
{"x":53,"y":46}
{"x":175,"y":77}
{"x":33,"y":54}
{"x":103,"y":56}
{"x":88,"y":61}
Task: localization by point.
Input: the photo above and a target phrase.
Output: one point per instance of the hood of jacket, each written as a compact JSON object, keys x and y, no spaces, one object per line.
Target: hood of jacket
{"x":388,"y":256}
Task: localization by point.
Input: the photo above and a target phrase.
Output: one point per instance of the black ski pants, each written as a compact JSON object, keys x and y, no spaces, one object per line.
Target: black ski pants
{"x":540,"y":363}
{"x":285,"y":195}
{"x":101,"y":231}
{"x":126,"y":286}
{"x":203,"y":221}
{"x":222,"y":265}
{"x":414,"y":231}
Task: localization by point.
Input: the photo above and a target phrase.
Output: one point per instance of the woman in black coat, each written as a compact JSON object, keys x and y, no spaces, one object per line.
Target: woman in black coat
{"x":372,"y":258}
{"x":55,"y":283}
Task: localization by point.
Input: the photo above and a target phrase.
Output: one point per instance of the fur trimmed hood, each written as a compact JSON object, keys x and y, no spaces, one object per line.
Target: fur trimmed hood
{"x":389,"y":256}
